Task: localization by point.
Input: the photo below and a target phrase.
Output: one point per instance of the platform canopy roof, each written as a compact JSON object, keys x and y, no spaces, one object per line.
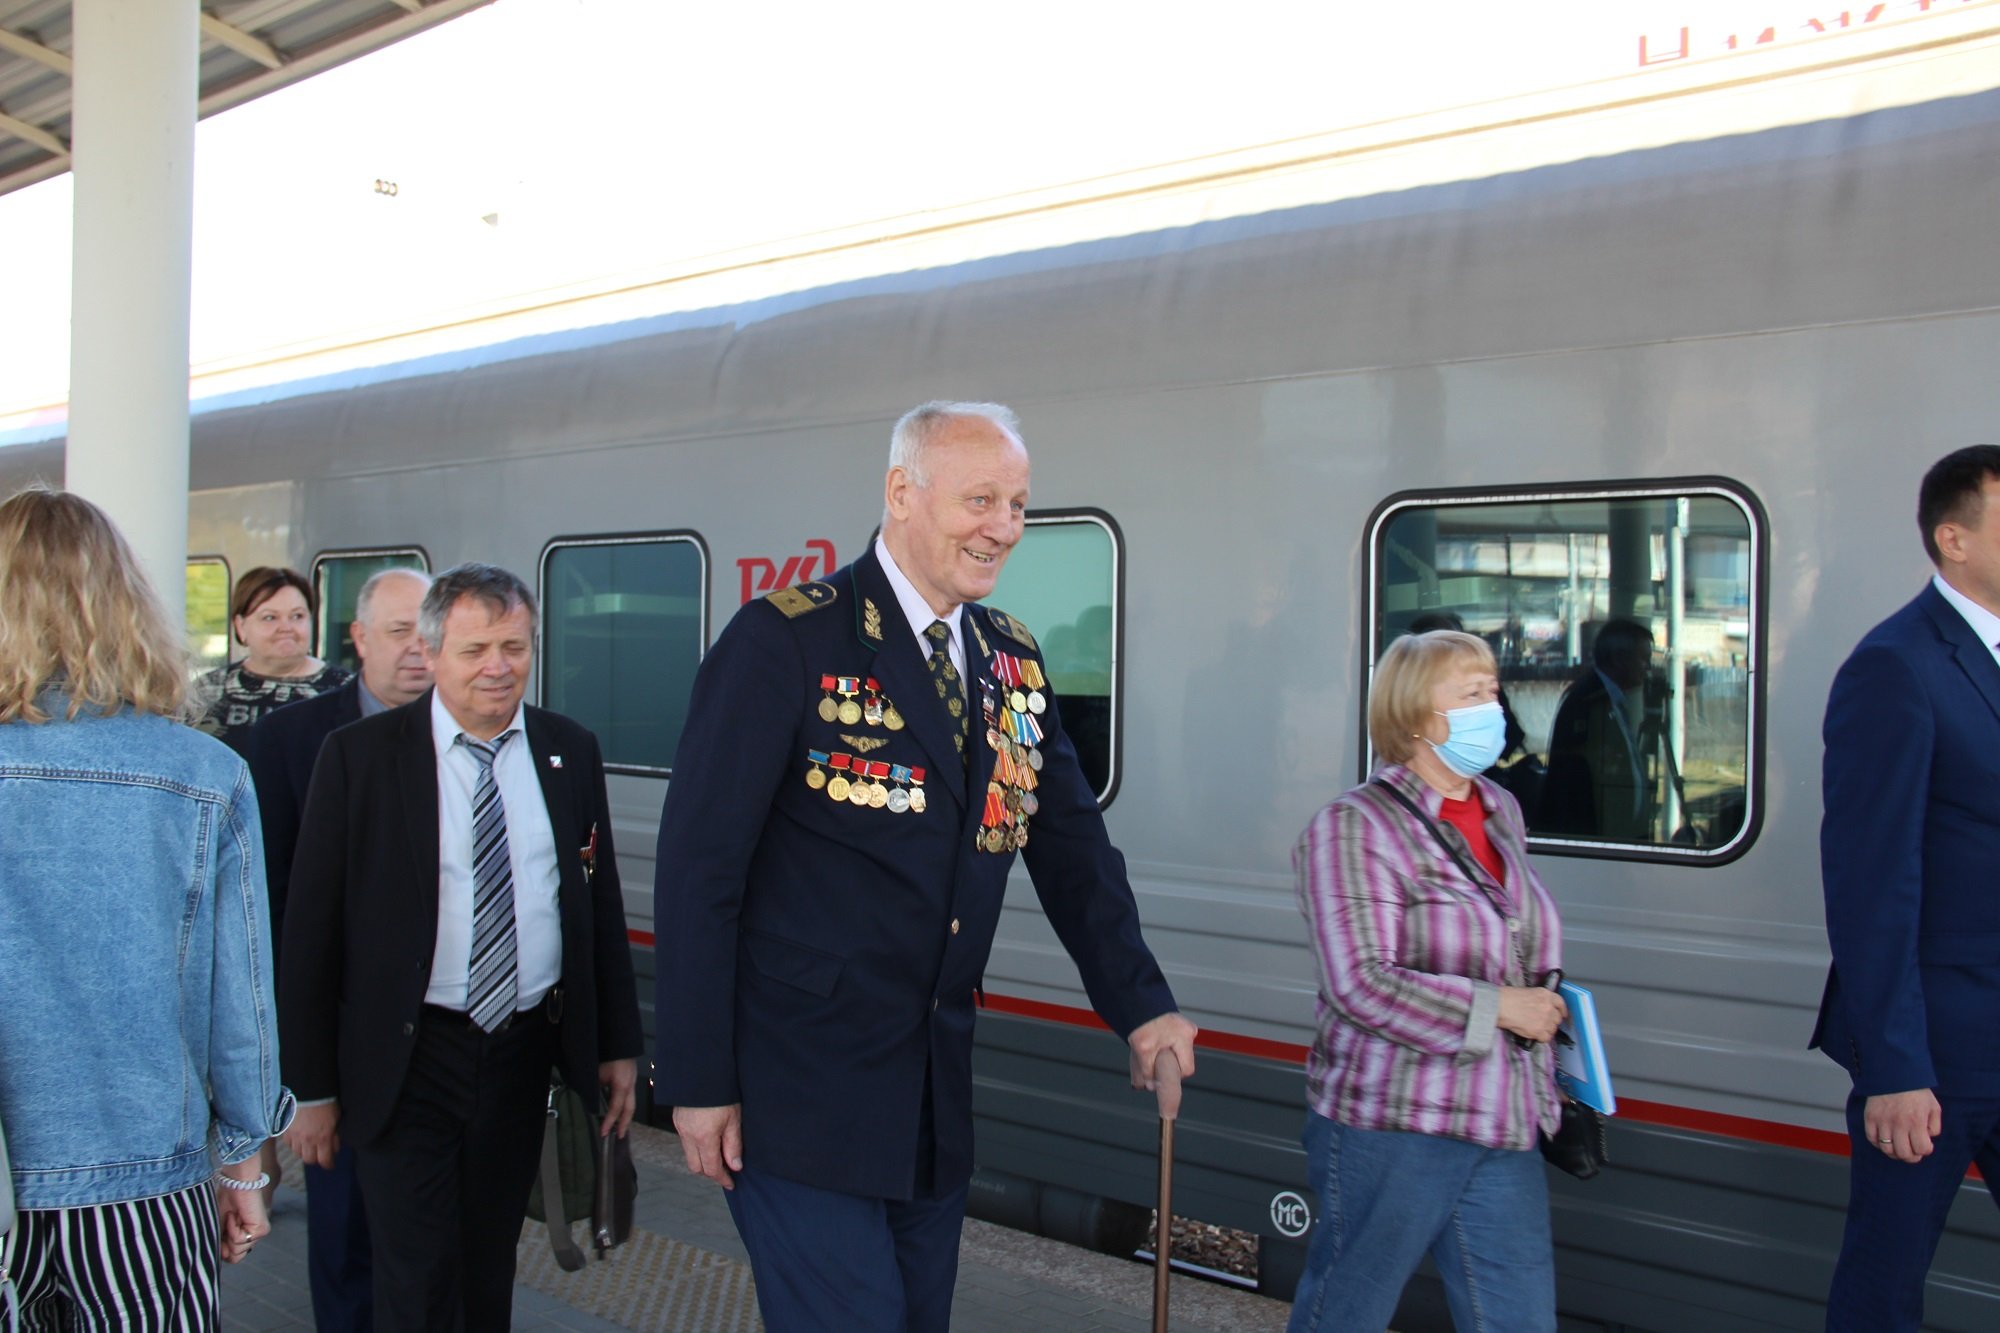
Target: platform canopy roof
{"x":248,"y":48}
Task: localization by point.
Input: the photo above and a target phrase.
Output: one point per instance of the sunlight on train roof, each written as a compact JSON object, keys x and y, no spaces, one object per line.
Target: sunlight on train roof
{"x":546,"y":166}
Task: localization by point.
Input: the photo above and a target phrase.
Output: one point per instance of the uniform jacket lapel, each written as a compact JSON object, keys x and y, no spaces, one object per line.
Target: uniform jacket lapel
{"x":904,"y":674}
{"x":1974,"y":657}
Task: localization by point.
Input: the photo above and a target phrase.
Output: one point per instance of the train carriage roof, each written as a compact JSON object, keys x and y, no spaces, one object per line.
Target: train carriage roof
{"x":1480,"y":186}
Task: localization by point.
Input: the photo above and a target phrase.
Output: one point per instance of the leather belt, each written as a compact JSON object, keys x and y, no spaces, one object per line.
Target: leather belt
{"x":550,"y":1004}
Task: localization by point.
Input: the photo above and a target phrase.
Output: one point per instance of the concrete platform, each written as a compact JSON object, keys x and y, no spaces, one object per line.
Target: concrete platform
{"x":685,"y":1269}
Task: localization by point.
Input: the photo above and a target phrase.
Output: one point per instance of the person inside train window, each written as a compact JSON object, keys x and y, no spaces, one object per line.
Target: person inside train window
{"x":271,"y":616}
{"x":1431,"y":1078}
{"x":863,"y":758}
{"x":140,"y":1072}
{"x":1517,"y":769}
{"x":1604,"y":745}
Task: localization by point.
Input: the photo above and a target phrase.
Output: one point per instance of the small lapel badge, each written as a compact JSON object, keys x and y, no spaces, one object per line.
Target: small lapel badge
{"x":555,"y":761}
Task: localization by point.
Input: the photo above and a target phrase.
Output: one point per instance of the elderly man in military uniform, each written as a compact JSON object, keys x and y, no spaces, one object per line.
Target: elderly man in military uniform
{"x":863,"y":760}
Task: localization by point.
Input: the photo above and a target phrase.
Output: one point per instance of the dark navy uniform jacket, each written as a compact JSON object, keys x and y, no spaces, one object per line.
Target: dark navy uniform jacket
{"x":818,"y":960}
{"x":1907,"y":855}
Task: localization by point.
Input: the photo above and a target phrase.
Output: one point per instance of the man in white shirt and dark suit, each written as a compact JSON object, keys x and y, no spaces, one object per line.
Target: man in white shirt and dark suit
{"x":455,"y":927}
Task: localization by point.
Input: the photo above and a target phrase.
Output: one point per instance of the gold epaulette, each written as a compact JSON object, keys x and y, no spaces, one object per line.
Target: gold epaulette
{"x":1012,"y":628}
{"x":800,"y":598}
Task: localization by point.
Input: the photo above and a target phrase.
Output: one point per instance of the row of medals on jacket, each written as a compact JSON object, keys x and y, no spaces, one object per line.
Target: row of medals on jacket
{"x":1012,"y":729}
{"x":1012,"y":732}
{"x":858,"y":780}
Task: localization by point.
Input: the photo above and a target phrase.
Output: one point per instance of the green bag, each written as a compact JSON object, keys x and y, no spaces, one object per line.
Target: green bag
{"x":573,"y":1132}
{"x":594,"y":1178}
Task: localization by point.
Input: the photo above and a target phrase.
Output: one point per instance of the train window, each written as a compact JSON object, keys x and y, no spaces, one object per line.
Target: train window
{"x":1625,"y":622}
{"x":1063,"y":582}
{"x":207,"y":613}
{"x":337,"y":578}
{"x":624,"y":625}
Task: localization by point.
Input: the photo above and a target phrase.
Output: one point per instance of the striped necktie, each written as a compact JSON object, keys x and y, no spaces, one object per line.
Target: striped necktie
{"x":949,"y":687}
{"x":490,"y":981}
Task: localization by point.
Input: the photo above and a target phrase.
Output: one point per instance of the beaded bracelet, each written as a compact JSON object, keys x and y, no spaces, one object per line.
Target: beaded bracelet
{"x":232,"y":1183}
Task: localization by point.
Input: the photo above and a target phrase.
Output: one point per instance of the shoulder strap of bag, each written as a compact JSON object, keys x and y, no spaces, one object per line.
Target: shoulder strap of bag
{"x":1472,"y":872}
{"x":554,"y":1217}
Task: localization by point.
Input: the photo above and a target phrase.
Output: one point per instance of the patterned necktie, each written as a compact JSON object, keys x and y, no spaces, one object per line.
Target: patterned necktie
{"x":949,"y":687}
{"x":490,"y":982}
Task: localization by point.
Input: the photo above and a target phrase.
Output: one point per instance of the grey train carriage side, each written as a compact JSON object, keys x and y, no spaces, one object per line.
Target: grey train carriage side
{"x":1695,"y":383}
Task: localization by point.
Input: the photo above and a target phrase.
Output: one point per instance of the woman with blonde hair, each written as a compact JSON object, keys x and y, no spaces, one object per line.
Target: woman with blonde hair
{"x":1431,"y":1080}
{"x":138,"y":1060}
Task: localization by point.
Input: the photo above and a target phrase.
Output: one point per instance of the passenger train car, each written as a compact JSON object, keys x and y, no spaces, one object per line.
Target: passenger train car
{"x":1687,"y":381}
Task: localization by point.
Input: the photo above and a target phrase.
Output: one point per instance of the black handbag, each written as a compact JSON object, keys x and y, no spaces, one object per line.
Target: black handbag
{"x":583,"y":1174}
{"x":1578,"y":1145}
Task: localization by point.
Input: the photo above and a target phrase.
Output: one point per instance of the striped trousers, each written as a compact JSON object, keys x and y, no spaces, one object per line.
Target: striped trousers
{"x":150,"y":1264}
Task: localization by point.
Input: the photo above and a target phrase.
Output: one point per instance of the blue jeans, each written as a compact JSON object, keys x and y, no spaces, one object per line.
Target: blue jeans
{"x":1388,"y":1198}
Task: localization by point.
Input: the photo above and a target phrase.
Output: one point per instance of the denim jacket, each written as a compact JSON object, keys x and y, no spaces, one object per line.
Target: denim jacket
{"x":137,"y":1036}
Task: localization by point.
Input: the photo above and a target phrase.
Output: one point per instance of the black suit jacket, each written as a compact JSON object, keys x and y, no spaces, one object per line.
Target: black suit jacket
{"x":817,"y":959}
{"x":282,"y":747}
{"x":361,"y":924}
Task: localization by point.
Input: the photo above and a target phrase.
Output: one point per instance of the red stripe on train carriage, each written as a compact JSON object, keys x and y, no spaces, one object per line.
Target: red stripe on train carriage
{"x":1664,"y":1114}
{"x":1629,"y":1108}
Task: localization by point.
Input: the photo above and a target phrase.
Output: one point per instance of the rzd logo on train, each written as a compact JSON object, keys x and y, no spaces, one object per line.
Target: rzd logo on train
{"x":761,"y":575}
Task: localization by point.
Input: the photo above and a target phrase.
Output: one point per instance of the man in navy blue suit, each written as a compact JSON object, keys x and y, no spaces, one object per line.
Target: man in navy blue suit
{"x":281,"y":750}
{"x":863,"y":759}
{"x":1909,"y":852}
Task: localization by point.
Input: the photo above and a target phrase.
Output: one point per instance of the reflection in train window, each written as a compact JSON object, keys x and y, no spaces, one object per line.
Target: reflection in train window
{"x":624,"y":625}
{"x":1625,"y":622}
{"x":207,"y":613}
{"x":337,"y":577}
{"x":1063,"y":582}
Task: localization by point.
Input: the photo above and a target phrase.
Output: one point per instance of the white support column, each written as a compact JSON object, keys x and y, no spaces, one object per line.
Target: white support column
{"x":132,"y":138}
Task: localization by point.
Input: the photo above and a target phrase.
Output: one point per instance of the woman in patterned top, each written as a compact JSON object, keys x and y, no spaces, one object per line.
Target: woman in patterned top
{"x":271,"y":615}
{"x":1431,"y":1079}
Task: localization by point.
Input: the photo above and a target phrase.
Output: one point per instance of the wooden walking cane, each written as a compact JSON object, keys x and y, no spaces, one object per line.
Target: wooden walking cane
{"x":1167,"y":1075}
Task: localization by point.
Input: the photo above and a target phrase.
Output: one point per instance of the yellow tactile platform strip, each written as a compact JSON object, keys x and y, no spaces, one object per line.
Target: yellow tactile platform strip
{"x":650,"y":1282}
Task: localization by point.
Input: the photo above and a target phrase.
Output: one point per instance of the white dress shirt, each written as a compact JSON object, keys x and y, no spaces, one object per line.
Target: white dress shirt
{"x":1984,"y":623}
{"x":918,"y":611}
{"x":531,"y":849}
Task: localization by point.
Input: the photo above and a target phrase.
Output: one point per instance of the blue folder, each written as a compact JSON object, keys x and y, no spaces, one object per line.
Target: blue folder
{"x":1580,"y":1066}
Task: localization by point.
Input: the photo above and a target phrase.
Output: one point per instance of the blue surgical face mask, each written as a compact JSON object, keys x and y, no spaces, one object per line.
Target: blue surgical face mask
{"x":1478,"y":734}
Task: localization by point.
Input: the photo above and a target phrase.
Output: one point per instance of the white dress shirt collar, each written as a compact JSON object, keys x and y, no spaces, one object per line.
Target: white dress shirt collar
{"x":918,"y":611}
{"x":1984,"y":623}
{"x":445,"y":730}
